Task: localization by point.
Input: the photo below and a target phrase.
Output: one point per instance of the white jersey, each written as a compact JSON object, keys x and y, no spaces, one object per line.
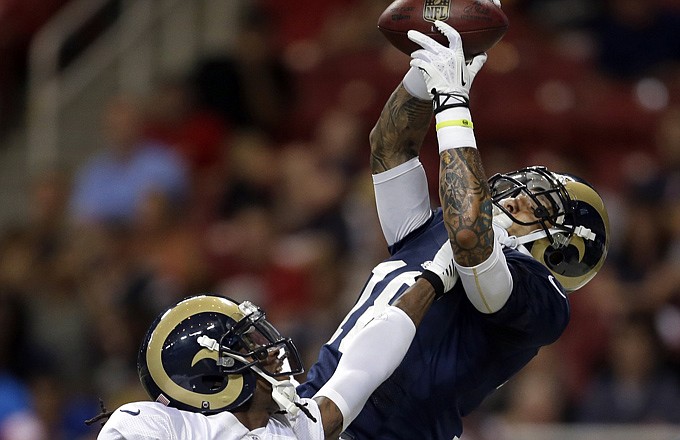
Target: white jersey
{"x":154,"y":421}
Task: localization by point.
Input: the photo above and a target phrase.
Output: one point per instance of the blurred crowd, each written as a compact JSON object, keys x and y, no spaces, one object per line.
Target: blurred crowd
{"x":248,"y":176}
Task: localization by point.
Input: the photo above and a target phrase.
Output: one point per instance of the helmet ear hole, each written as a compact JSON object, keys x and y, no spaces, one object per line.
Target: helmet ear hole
{"x":214,"y":382}
{"x":555,"y":258}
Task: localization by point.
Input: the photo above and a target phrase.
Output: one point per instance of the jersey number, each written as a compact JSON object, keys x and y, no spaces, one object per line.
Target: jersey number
{"x":382,"y":300}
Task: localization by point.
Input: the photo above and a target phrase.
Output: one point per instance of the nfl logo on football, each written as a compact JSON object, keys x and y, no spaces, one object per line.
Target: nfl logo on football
{"x":436,"y":10}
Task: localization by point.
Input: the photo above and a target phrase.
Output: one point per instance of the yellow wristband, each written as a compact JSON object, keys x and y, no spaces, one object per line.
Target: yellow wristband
{"x":455,"y":123}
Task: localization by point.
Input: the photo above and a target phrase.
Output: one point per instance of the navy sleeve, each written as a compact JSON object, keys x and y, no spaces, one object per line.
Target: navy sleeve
{"x":537,"y":311}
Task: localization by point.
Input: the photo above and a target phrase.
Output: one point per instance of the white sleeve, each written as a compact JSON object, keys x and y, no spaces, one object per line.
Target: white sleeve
{"x":402,"y":199}
{"x":139,"y":421}
{"x":370,"y":358}
{"x":489,"y":284}
{"x":304,"y":427}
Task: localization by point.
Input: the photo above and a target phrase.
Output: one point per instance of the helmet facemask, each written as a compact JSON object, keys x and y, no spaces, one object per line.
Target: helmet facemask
{"x":253,"y":341}
{"x":253,"y":345}
{"x":552,"y":205}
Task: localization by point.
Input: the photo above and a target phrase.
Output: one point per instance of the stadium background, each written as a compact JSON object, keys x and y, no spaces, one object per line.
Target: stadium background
{"x":267,"y":105}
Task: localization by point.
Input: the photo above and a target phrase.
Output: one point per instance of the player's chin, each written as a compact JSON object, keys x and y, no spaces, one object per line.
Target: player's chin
{"x":263,"y":385}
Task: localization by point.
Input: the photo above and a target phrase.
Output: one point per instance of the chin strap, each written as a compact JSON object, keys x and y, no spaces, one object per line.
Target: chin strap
{"x":283,"y":391}
{"x":503,"y":238}
{"x":284,"y":394}
{"x":503,"y":221}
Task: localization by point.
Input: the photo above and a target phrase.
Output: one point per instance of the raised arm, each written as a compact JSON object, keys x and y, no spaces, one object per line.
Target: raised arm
{"x":400,"y":184}
{"x":465,"y":199}
{"x":463,"y":188}
{"x":403,"y":123}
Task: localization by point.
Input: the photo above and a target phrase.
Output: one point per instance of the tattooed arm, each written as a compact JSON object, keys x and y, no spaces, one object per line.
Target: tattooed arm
{"x":399,"y":180}
{"x":466,"y":201}
{"x":468,"y":215}
{"x":400,"y":130}
{"x":463,"y":188}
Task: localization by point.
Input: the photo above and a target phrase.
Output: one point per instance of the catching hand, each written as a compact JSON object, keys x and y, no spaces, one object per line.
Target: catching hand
{"x":444,"y":68}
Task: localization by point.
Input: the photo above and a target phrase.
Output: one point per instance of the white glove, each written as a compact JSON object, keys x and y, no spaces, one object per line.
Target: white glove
{"x":415,"y":85}
{"x":448,"y":78}
{"x":444,"y":68}
{"x":441,"y":270}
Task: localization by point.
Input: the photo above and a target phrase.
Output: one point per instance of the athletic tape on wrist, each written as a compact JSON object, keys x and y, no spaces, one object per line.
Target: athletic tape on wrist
{"x":449,"y":138}
{"x":455,"y":129}
{"x":455,"y":123}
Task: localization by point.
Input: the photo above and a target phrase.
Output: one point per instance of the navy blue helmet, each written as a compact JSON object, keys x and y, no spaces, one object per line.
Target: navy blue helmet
{"x":572,"y":234}
{"x":204,"y":353}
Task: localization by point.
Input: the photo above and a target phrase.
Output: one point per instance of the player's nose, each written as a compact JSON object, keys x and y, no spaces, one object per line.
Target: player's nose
{"x":511,"y":205}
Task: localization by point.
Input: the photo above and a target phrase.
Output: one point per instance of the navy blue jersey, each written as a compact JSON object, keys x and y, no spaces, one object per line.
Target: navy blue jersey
{"x":459,"y":355}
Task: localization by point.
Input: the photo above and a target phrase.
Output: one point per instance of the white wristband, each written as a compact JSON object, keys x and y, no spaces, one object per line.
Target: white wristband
{"x":455,"y":129}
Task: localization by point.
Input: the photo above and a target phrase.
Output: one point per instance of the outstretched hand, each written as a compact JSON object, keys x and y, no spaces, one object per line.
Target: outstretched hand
{"x":444,"y":69}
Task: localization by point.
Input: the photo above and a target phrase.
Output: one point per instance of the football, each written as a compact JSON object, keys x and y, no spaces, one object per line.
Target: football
{"x":481,"y":23}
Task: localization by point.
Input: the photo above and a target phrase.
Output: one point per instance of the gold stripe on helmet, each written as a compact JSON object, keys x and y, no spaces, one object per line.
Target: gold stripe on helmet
{"x":584,"y":193}
{"x":170,"y":320}
{"x":581,"y":191}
